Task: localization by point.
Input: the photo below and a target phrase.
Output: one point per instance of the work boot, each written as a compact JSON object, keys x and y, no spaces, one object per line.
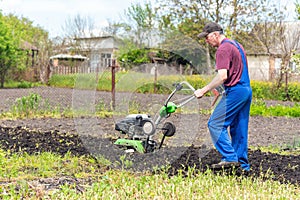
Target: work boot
{"x":225,"y":164}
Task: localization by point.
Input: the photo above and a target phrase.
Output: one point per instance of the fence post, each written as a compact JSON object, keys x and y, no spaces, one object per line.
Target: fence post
{"x":113,"y":83}
{"x":155,"y":78}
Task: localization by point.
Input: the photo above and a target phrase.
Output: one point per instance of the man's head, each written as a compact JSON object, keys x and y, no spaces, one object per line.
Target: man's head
{"x":209,"y":28}
{"x":212,"y":33}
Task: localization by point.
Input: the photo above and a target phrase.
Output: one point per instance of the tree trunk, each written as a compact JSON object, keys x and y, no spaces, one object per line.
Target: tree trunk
{"x":208,"y":60}
{"x":272,"y":71}
{"x":287,"y":85}
{"x":2,"y":81}
{"x":284,"y":76}
{"x":2,"y":76}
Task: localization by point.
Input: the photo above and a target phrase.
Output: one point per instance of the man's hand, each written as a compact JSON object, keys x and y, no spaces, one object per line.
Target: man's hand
{"x":217,"y":80}
{"x":200,"y":93}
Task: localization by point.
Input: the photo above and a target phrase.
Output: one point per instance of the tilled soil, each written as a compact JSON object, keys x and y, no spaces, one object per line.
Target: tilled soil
{"x":190,"y":147}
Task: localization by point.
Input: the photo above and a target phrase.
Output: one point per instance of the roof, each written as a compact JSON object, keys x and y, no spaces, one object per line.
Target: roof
{"x":69,"y":57}
{"x":28,"y":46}
{"x":94,"y":38}
{"x":104,"y":42}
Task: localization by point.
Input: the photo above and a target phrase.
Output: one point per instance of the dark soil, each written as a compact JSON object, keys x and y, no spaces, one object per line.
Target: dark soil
{"x":190,"y":147}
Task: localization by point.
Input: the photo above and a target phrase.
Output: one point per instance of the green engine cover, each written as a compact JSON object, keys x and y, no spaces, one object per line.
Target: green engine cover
{"x":165,"y":110}
{"x":136,"y":144}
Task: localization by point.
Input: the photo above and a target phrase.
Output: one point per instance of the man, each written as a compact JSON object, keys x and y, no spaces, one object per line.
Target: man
{"x":233,"y":108}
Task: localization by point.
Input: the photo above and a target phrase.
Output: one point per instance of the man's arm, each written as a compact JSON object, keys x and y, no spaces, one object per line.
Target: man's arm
{"x":217,"y":80}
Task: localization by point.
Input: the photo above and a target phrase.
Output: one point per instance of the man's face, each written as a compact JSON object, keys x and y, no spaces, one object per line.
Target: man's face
{"x":212,"y":39}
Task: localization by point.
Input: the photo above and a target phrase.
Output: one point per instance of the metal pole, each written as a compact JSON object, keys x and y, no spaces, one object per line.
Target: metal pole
{"x":113,"y":82}
{"x":155,"y":77}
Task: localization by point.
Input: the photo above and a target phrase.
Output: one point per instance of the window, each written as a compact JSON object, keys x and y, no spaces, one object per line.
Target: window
{"x":105,"y":59}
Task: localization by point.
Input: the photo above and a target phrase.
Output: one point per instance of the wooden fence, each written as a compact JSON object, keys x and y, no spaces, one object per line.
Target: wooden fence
{"x":83,"y":67}
{"x":71,"y":70}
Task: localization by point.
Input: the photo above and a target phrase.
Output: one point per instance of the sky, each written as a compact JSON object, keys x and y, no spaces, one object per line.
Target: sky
{"x":52,"y":15}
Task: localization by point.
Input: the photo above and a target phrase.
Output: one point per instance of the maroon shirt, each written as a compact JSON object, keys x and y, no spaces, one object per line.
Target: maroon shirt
{"x":228,"y":57}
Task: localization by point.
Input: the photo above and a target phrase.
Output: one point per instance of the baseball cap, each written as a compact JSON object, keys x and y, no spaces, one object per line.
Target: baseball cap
{"x":209,"y":28}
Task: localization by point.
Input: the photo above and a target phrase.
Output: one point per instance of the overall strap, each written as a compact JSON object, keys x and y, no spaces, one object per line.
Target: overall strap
{"x":245,"y":80}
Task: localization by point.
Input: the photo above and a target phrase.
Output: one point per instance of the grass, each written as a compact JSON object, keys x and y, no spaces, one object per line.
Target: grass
{"x":141,"y":82}
{"x":125,"y":81}
{"x":259,"y":108}
{"x":24,"y":166}
{"x":286,"y":149}
{"x":20,"y":84}
{"x":33,"y":106}
{"x":20,"y":170}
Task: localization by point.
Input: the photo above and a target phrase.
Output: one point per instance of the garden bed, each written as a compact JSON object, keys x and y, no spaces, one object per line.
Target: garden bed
{"x":94,"y":136}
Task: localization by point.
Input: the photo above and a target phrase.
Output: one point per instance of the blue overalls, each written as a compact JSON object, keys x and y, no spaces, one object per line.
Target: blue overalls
{"x":233,"y":111}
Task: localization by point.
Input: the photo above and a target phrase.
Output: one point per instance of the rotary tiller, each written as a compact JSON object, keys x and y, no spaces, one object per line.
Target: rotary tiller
{"x":140,"y":128}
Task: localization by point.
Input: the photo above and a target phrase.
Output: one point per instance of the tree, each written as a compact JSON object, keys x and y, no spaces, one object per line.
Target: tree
{"x":19,"y":37}
{"x":189,"y":16}
{"x":116,"y":28}
{"x":75,"y":28}
{"x":232,"y":14}
{"x":296,"y":58}
{"x":279,"y":39}
{"x":134,"y":31}
{"x":129,"y":55}
{"x":79,"y":26}
{"x":9,"y":50}
{"x":139,"y":22}
{"x":297,"y":9}
{"x":142,"y":26}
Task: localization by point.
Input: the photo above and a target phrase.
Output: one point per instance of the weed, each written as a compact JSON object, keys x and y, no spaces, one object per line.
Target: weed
{"x":27,"y":105}
{"x":103,"y":161}
{"x":134,"y":106}
{"x":125,"y":164}
{"x":101,"y":106}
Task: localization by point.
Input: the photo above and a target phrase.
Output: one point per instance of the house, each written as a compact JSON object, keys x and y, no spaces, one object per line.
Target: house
{"x":32,"y":51}
{"x":93,"y":54}
{"x":99,"y":50}
{"x":263,"y":66}
{"x":269,"y":46}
